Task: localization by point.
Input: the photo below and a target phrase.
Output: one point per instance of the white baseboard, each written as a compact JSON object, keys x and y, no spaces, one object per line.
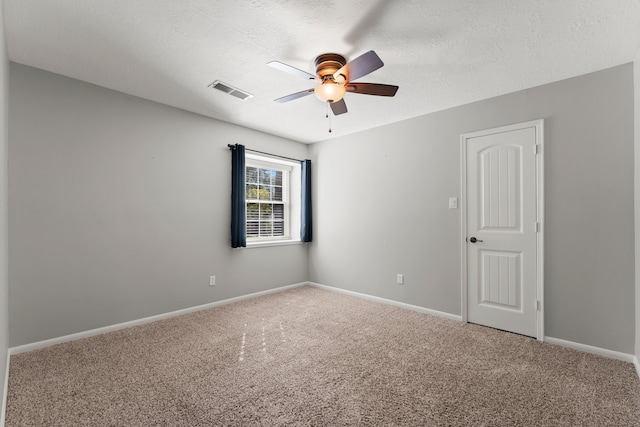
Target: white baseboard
{"x":391,"y":302}
{"x":563,"y":343}
{"x":103,"y":330}
{"x":5,"y":391}
{"x":611,"y":354}
{"x":630,"y":358}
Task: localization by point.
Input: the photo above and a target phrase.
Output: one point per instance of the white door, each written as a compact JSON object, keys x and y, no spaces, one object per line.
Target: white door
{"x":503,"y":215}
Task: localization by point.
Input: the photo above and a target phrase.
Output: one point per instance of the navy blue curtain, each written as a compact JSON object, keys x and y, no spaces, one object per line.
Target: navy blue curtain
{"x":238,"y":207}
{"x":306,"y":224}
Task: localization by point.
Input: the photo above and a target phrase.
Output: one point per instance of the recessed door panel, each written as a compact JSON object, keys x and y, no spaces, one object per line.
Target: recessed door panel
{"x":500,"y":280}
{"x":500,"y":193}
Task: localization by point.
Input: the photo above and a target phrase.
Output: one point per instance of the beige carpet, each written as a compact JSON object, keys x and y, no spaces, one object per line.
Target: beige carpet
{"x":313,"y":357}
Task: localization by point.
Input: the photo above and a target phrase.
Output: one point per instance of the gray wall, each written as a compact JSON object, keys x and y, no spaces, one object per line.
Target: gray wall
{"x":118,"y":209}
{"x":382,"y":205}
{"x":4,"y":111}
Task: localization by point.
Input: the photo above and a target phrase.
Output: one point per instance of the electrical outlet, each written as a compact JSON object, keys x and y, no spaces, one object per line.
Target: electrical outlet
{"x":212,"y":280}
{"x":400,"y":279}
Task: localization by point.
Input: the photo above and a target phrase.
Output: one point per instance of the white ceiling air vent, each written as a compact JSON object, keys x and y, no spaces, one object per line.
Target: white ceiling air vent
{"x":230,"y":90}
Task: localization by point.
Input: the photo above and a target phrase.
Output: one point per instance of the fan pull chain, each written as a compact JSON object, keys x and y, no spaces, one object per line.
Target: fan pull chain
{"x":328,"y":116}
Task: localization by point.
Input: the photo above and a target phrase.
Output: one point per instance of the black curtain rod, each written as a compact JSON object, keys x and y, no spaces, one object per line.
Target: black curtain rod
{"x":232,"y":146}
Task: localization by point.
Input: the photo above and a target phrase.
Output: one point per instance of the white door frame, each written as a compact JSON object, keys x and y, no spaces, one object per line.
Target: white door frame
{"x":539,"y":127}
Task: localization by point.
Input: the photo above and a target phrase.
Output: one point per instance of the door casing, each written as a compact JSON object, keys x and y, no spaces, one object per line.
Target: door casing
{"x":539,"y":159}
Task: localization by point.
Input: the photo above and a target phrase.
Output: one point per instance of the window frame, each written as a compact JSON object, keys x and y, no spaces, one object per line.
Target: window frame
{"x":290,"y":171}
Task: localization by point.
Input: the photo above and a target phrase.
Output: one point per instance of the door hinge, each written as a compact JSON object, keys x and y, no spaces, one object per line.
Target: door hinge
{"x":537,"y":227}
{"x":537,"y":149}
{"x":538,"y":306}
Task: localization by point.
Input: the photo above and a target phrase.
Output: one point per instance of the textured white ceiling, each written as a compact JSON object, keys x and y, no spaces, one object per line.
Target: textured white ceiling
{"x":441,"y":53}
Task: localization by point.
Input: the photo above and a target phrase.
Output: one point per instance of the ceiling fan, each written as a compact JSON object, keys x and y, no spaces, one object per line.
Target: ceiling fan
{"x":336,"y":77}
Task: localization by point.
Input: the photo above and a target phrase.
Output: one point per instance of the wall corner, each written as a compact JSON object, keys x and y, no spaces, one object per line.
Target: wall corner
{"x":636,"y":180}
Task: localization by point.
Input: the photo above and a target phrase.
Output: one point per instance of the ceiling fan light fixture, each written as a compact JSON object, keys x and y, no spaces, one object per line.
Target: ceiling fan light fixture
{"x":329,"y":91}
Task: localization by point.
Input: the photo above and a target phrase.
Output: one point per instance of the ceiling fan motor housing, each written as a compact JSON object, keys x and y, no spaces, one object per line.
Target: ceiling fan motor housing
{"x":328,"y":63}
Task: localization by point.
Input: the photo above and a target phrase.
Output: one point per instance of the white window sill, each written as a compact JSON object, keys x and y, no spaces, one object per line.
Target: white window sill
{"x":264,"y":244}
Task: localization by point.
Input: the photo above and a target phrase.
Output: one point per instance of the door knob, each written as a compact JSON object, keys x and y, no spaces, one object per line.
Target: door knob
{"x":473,"y":240}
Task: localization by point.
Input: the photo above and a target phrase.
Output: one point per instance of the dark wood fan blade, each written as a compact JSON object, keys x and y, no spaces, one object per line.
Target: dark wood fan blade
{"x":294,"y":96}
{"x":338,"y":107}
{"x":361,"y":66}
{"x":292,"y":70}
{"x":372,"y":89}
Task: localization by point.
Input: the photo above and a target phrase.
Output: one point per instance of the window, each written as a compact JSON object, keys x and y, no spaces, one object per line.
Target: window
{"x":272,"y":212}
